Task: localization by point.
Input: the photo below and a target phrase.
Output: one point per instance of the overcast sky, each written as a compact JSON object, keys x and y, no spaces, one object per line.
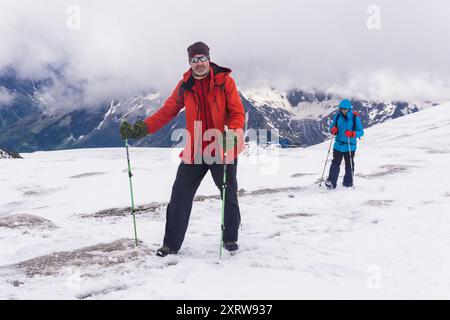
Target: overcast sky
{"x":127,"y":47}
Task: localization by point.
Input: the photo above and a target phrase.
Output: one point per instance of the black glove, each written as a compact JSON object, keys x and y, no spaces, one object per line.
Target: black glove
{"x":139,"y":130}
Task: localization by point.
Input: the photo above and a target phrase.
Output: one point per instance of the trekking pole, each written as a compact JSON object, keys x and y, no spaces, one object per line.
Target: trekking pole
{"x":351,"y":163}
{"x":224,"y":189}
{"x":326,"y":160}
{"x":131,"y":190}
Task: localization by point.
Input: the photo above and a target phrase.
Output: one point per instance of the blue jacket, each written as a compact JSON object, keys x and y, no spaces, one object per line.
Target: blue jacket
{"x":341,"y":140}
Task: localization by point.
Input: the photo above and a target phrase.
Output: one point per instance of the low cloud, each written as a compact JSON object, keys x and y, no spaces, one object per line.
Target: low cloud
{"x":123,"y":47}
{"x":5,"y":97}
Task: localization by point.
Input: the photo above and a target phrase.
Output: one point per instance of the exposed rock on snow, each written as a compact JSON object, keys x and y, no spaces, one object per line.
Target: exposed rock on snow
{"x":296,"y":175}
{"x":387,"y":169}
{"x":295,"y":215}
{"x":123,"y":212}
{"x":378,"y":203}
{"x":102,"y":255}
{"x":15,"y":221}
{"x":87,"y":174}
{"x":156,"y":207}
{"x":9,"y":155}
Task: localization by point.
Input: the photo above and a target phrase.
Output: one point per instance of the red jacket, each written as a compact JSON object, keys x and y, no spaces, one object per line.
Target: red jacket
{"x":225,"y":106}
{"x":201,"y":88}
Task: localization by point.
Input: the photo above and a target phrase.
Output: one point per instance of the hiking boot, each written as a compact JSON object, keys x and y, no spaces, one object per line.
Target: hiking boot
{"x":231,"y":246}
{"x":164,"y":251}
{"x":329,"y":185}
{"x":347,"y":185}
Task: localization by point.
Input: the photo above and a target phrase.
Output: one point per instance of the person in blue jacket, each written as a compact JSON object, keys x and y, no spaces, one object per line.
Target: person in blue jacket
{"x":346,"y":127}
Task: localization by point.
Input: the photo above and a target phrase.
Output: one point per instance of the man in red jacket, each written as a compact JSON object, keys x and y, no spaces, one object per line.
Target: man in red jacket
{"x":212,"y":104}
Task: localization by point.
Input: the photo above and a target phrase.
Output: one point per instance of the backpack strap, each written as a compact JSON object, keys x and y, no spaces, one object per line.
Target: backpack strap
{"x":222,"y":86}
{"x":181,"y":91}
{"x":356,"y":114}
{"x":337,"y":118}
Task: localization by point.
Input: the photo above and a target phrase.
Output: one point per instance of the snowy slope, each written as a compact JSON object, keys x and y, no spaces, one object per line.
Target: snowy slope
{"x":387,"y":238}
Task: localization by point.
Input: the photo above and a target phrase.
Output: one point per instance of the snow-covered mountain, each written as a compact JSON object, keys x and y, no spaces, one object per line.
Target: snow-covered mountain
{"x":65,"y":223}
{"x":302,"y":118}
{"x":18,"y":99}
{"x":105,"y":134}
{"x":26,"y":126}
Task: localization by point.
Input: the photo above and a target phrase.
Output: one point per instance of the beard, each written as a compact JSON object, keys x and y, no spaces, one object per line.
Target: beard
{"x":200,"y":72}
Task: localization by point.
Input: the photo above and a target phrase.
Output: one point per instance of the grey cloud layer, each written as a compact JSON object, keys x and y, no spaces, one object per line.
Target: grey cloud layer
{"x":127,"y":47}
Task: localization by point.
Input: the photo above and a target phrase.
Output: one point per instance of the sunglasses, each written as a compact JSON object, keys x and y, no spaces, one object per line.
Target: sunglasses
{"x":197,"y":59}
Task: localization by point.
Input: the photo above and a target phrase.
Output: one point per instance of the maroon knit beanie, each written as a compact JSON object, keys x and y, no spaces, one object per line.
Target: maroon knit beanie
{"x":198,"y":48}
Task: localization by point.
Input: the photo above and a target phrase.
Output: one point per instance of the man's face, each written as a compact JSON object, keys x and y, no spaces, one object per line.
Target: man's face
{"x":200,"y":68}
{"x":344,"y":111}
